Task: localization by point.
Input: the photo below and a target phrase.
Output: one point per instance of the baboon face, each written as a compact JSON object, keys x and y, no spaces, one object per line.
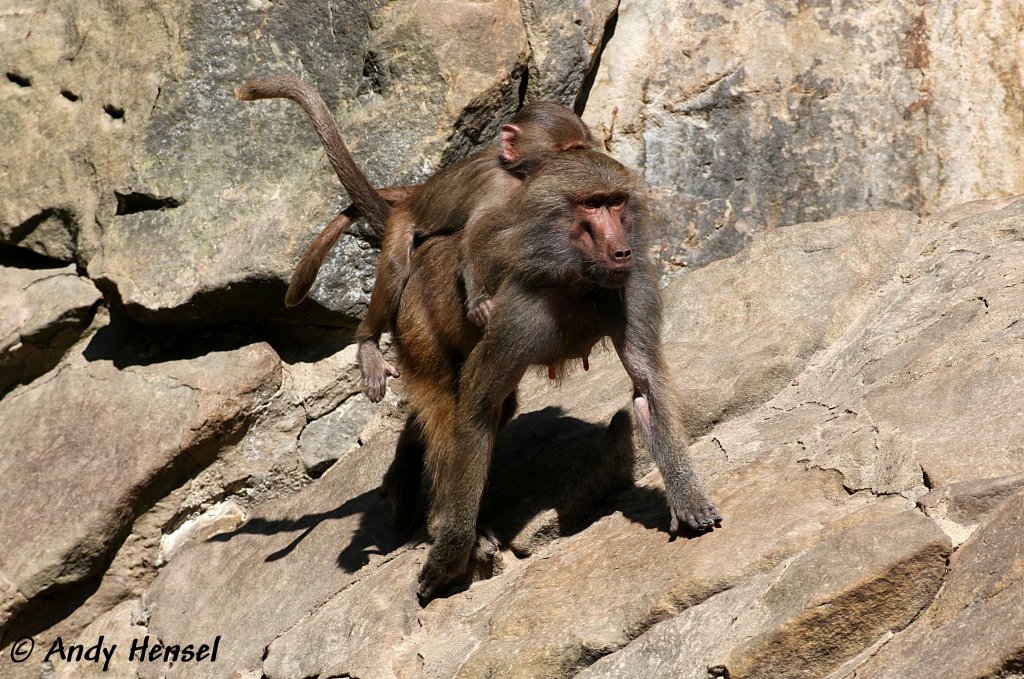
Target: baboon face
{"x":601,"y":236}
{"x":579,"y":218}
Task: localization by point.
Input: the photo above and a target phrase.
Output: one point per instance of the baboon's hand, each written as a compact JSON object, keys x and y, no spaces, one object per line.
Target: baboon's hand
{"x":692,"y":510}
{"x":480,"y":312}
{"x":375,"y":385}
{"x":375,"y":371}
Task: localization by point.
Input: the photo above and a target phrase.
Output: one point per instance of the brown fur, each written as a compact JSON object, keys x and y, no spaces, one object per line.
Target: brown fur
{"x":456,"y":198}
{"x":569,"y":265}
{"x":452,"y":199}
{"x":568,"y":261}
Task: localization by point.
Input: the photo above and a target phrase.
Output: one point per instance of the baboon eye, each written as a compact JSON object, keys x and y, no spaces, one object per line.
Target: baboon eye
{"x":594,"y":202}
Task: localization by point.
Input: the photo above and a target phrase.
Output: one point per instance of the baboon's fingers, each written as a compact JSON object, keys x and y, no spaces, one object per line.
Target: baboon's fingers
{"x":698,"y":519}
{"x":480,"y":314}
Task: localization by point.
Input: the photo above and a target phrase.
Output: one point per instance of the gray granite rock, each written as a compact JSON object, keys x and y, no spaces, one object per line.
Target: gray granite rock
{"x":748,"y":116}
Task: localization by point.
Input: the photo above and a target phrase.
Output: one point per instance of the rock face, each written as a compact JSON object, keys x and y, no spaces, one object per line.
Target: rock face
{"x":208,"y":230}
{"x":42,"y":313}
{"x":195,"y":206}
{"x":184,"y":461}
{"x":841,"y":508}
{"x":963,"y":631}
{"x":760,"y":114}
{"x":133,"y":431}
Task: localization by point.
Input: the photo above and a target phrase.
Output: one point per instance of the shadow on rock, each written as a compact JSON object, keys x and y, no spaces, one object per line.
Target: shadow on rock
{"x":126,"y":341}
{"x":553,"y":475}
{"x":372,"y":535}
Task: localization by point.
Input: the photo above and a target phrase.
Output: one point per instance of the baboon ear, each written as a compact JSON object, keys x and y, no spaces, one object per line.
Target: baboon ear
{"x":509,"y":136}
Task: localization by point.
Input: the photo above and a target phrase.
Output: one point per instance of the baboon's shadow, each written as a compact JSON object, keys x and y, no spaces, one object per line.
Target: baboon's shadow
{"x":551,"y":476}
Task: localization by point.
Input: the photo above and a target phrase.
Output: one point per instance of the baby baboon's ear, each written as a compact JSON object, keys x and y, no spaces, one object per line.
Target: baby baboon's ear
{"x":510,"y":134}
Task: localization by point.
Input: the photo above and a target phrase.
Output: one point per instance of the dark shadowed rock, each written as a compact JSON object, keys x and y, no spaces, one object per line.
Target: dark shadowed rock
{"x":327,"y":438}
{"x":42,"y":313}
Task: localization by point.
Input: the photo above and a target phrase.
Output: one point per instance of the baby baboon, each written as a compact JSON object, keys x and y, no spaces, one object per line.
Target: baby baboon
{"x":450,"y":200}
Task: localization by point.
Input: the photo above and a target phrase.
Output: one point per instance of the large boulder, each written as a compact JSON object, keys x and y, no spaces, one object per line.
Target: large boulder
{"x":869,"y":575}
{"x":972,"y":629}
{"x":88,"y":447}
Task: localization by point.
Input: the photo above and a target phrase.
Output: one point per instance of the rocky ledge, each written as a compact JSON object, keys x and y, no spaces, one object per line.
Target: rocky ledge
{"x":853,"y":389}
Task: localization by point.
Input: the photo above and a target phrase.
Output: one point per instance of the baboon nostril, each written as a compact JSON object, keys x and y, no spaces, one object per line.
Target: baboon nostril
{"x":623,"y":254}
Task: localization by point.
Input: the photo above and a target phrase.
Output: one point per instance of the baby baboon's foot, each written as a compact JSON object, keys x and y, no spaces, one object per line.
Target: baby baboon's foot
{"x":487,"y":544}
{"x":480,"y":312}
{"x":375,"y":371}
{"x":486,"y":560}
{"x":696,"y":513}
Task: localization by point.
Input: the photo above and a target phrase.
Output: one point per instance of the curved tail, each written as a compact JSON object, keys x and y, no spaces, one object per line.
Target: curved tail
{"x":366,"y":200}
{"x":309,"y":266}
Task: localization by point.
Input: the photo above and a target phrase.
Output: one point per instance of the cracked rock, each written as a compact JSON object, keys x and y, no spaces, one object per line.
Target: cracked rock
{"x":972,"y":629}
{"x":42,"y":313}
{"x":91,"y":444}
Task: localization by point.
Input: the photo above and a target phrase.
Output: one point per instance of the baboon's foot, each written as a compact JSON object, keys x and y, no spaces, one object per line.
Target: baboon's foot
{"x":486,"y":560}
{"x":448,"y":567}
